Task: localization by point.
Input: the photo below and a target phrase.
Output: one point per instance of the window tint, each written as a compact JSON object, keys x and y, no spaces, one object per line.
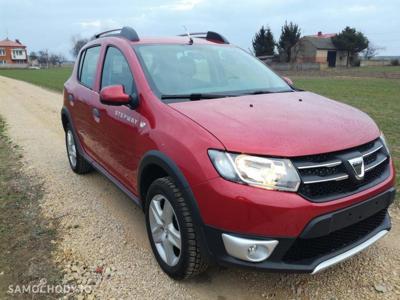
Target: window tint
{"x":89,"y":65}
{"x":116,"y":71}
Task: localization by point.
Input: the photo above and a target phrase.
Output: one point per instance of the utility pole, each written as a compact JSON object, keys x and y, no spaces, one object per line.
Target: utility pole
{"x":47,"y":57}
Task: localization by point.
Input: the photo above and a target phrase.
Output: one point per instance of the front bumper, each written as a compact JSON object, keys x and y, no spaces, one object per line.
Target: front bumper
{"x":325,"y":241}
{"x":248,"y":210}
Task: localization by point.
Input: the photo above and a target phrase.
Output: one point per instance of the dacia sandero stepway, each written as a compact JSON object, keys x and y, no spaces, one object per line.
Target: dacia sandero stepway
{"x":230,"y":162}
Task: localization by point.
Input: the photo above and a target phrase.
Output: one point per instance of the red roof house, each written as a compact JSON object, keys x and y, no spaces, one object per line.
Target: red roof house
{"x":13,"y":54}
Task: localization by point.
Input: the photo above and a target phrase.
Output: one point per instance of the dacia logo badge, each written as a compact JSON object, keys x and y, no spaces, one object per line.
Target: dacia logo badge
{"x":358,"y":167}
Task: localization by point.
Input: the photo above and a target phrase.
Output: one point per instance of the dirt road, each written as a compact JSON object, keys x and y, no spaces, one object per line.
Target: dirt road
{"x":102,"y":231}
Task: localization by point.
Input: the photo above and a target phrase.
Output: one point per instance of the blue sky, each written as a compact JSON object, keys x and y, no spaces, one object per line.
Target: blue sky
{"x":50,"y":24}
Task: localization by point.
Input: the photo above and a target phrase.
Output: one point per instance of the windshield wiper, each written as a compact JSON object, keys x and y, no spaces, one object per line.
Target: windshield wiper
{"x":196,"y":96}
{"x":260,"y":92}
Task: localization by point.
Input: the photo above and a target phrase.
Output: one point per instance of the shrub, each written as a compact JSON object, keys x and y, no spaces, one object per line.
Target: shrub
{"x":395,"y":62}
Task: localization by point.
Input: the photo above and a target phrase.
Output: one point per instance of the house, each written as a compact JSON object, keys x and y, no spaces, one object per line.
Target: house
{"x":13,"y":54}
{"x":318,"y":49}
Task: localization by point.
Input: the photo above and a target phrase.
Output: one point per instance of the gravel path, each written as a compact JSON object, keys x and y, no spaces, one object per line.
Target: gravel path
{"x":103,"y":241}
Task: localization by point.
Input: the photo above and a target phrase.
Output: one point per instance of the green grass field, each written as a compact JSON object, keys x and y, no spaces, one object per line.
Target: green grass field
{"x":374,"y":90}
{"x":52,"y":78}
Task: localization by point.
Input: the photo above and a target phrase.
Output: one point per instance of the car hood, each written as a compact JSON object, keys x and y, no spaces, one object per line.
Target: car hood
{"x":281,"y":124}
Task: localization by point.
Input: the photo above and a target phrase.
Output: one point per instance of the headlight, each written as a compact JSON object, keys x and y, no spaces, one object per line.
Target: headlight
{"x":383,"y":139}
{"x":268,"y":173}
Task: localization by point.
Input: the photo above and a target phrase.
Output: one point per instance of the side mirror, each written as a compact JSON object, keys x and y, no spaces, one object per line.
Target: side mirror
{"x":288,"y":80}
{"x":114,"y":95}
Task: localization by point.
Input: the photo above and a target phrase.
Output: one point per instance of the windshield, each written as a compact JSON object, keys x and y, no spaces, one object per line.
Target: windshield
{"x":203,"y":69}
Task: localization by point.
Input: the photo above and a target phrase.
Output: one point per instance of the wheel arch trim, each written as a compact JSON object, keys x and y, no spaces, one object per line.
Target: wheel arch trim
{"x":161,"y":160}
{"x":155,"y":157}
{"x":66,"y":114}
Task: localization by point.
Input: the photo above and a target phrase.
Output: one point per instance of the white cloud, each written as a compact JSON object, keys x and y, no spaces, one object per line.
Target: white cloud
{"x":90,"y":24}
{"x":185,"y":4}
{"x":99,"y":24}
{"x":180,"y":5}
{"x":363,"y":8}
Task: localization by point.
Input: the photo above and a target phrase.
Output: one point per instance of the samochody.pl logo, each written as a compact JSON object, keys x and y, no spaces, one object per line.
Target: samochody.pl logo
{"x":44,"y":288}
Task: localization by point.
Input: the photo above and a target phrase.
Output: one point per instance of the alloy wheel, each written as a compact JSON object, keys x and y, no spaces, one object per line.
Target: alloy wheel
{"x":165,"y":229}
{"x":71,"y":148}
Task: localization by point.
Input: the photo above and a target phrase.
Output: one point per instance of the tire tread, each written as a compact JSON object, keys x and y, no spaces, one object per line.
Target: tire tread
{"x":196,"y":262}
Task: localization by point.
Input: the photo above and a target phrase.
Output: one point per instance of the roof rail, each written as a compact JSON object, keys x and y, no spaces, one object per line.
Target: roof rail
{"x":209,"y":35}
{"x":126,"y":32}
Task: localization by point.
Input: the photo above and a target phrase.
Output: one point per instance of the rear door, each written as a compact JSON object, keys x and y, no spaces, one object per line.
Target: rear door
{"x":85,"y":98}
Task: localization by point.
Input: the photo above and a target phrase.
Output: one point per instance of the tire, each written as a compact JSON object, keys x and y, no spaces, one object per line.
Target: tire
{"x":187,"y":261}
{"x":77,"y":162}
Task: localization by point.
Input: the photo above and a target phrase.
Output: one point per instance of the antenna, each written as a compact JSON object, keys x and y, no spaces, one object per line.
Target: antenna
{"x":188,"y":35}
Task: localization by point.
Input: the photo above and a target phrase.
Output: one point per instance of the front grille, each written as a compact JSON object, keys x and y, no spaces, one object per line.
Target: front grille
{"x":330,"y":176}
{"x":304,"y":250}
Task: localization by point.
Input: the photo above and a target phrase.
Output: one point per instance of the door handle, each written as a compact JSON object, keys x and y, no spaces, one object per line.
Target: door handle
{"x":96,"y":114}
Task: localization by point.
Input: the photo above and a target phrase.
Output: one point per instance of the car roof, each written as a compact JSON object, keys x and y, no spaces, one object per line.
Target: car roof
{"x":130,"y":35}
{"x":154,"y":41}
{"x":184,"y":40}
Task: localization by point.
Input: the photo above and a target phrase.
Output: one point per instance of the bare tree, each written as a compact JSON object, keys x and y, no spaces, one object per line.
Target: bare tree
{"x":56,"y":59}
{"x":53,"y":59}
{"x":77,"y":44}
{"x":43,"y":57}
{"x":372,"y":51}
{"x":61,"y":58}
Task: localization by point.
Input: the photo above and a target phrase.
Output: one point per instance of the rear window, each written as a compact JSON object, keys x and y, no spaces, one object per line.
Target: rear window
{"x":88,"y":66}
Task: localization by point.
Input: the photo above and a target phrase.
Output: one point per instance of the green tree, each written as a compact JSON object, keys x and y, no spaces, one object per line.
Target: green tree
{"x":33,"y":56}
{"x":290,"y":35}
{"x":263,"y":42}
{"x":350,"y":40}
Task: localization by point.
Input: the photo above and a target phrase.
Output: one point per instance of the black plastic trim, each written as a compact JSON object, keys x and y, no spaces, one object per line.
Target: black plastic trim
{"x":275,"y":262}
{"x":209,"y":35}
{"x":325,"y":224}
{"x":155,"y":157}
{"x":125,"y":32}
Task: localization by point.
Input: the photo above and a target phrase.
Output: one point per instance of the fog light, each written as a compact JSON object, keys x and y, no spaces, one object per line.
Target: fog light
{"x":257,"y":253}
{"x":252,"y":250}
{"x":248,"y":250}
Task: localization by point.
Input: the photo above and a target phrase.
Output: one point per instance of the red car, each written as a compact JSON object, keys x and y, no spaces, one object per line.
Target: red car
{"x":230,"y":162}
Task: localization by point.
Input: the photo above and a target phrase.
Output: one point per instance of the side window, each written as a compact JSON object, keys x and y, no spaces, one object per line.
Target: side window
{"x":116,"y":71}
{"x":81,"y":59}
{"x":88,"y":66}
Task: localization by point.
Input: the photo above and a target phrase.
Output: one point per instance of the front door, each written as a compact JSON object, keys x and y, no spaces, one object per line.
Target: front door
{"x":332,"y":58}
{"x":119,"y":125}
